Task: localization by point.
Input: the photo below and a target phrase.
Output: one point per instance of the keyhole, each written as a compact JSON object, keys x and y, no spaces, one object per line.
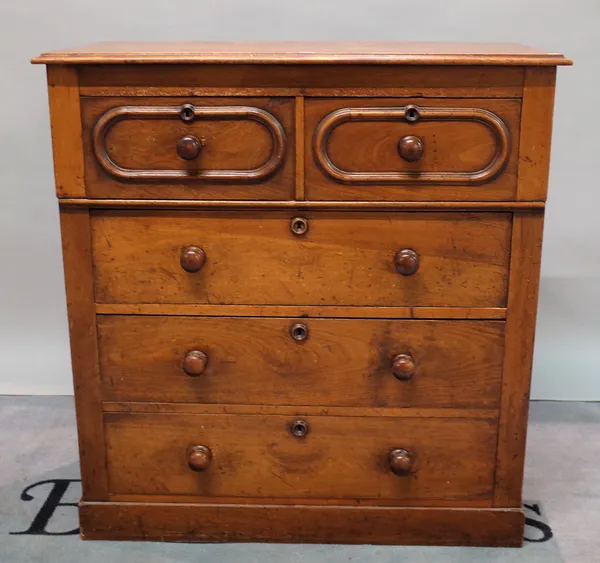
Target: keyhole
{"x":411,"y":113}
{"x":299,"y":428}
{"x":187,"y":112}
{"x":299,"y":225}
{"x":299,"y":332}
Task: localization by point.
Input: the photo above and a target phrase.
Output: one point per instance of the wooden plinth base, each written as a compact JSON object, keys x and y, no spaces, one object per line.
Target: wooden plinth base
{"x":300,"y":524}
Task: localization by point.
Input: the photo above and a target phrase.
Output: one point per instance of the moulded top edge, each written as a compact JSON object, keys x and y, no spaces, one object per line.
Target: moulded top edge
{"x":305,"y":53}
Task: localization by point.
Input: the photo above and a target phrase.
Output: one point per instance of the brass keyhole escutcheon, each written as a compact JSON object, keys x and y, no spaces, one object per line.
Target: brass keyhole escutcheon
{"x":412,"y":113}
{"x":299,"y":332}
{"x":299,"y":226}
{"x":299,"y":428}
{"x":187,"y":113}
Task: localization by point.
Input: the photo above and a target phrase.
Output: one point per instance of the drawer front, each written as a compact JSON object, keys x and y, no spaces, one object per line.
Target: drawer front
{"x":345,"y":362}
{"x":411,"y":149}
{"x":356,"y":258}
{"x":338,"y":457}
{"x":189,"y":148}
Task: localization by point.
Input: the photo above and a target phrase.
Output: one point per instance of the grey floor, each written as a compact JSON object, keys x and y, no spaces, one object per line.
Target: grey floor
{"x":38,"y":442}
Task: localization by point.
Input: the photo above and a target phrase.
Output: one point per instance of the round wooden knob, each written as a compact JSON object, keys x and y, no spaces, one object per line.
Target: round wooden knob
{"x":411,"y":148}
{"x":192,"y":259}
{"x":199,"y":458}
{"x":403,"y":367}
{"x":401,"y":462}
{"x":194,"y":363}
{"x":406,"y":262}
{"x":188,"y":147}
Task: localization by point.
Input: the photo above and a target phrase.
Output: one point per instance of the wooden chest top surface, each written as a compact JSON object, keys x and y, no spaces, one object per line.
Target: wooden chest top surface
{"x":299,"y":52}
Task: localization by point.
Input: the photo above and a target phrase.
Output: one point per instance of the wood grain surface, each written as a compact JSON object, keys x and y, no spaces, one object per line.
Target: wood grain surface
{"x":299,"y":52}
{"x":297,"y":410}
{"x":65,"y":122}
{"x":347,"y":312}
{"x":300,"y":151}
{"x":343,"y":362}
{"x":338,"y":205}
{"x":365,"y":80}
{"x":525,"y":263}
{"x":258,"y":456}
{"x":301,"y":524}
{"x":536,"y":133}
{"x":79,"y":284}
{"x":303,"y":501}
{"x":344,"y":259}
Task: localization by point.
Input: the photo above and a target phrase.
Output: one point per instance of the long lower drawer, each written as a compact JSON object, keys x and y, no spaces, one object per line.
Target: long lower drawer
{"x":435,"y":259}
{"x":280,"y":361}
{"x":276,"y":456}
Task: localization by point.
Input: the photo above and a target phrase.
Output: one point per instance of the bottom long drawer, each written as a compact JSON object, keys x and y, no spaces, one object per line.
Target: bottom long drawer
{"x":327,"y":457}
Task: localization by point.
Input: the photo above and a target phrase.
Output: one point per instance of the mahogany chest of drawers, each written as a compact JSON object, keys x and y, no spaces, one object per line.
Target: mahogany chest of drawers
{"x":302,"y":284}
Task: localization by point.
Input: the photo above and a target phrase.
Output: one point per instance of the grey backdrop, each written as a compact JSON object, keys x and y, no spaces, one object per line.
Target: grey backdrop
{"x":34,"y":357}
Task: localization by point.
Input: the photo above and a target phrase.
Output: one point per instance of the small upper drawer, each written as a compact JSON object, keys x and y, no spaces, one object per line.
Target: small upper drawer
{"x":192,"y":148}
{"x":411,"y":149}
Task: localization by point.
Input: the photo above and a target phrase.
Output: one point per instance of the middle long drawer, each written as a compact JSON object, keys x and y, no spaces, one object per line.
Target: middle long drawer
{"x":439,"y":259}
{"x":280,"y":361}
